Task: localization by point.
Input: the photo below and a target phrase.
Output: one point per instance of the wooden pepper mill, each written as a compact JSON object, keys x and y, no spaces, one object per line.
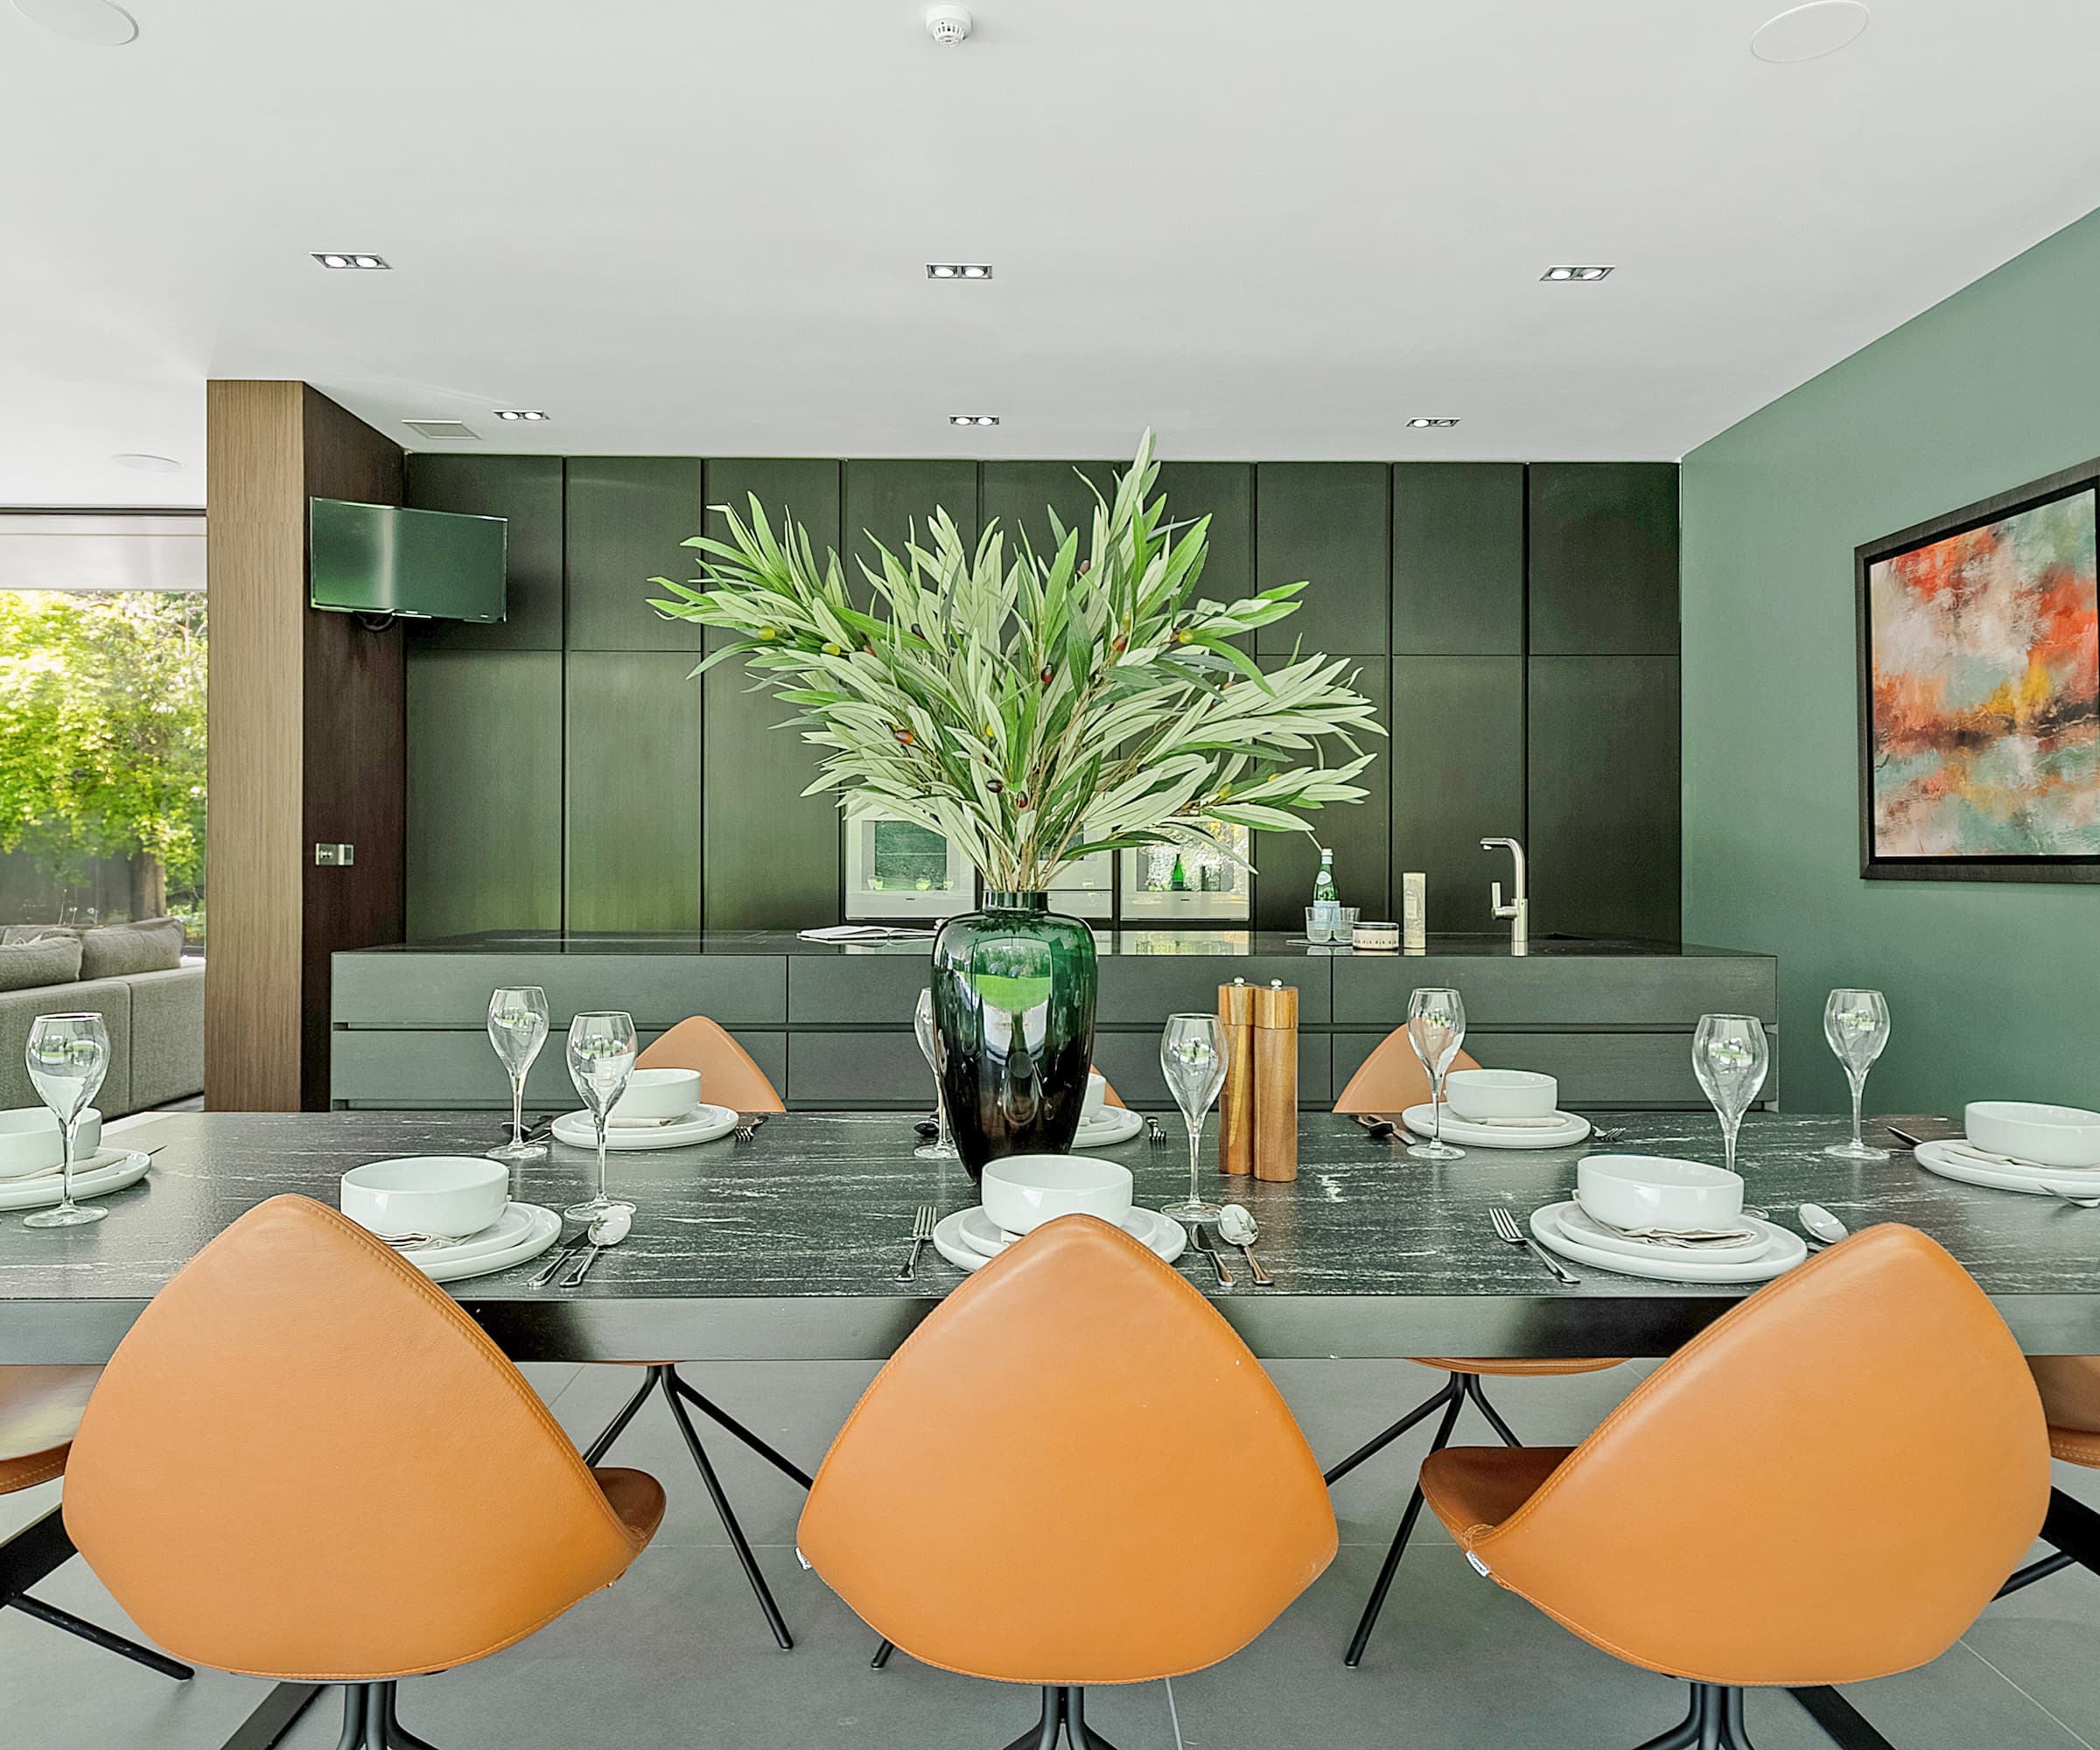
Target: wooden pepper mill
{"x":1276,"y":1081}
{"x":1236,"y":1102}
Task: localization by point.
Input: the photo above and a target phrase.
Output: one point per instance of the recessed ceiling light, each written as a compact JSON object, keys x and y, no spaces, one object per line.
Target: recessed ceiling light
{"x":958,"y":269}
{"x":347,"y":258}
{"x":519,"y":413}
{"x":1574,"y":273}
{"x":93,"y":22}
{"x":973,"y":419}
{"x":147,"y":464}
{"x":1805,"y":32}
{"x":444,"y":430}
{"x":1421,"y":425}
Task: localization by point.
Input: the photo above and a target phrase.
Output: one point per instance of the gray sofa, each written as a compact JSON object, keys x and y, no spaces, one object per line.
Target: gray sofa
{"x":156,"y":1023}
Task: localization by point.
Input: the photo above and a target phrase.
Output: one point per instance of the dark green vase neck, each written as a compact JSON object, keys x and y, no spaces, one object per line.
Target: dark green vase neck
{"x":1017,"y":902}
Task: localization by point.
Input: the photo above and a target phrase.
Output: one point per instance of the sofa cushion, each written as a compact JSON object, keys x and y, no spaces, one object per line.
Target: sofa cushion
{"x":115,"y":951}
{"x":108,"y":997}
{"x":167,"y":1036}
{"x":30,"y":965}
{"x":14,"y":933}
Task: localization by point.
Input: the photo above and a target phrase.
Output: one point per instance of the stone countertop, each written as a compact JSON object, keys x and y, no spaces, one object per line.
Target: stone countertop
{"x":788,"y":1248}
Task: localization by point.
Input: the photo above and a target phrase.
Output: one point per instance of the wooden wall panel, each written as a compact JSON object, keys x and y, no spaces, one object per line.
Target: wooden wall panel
{"x":1325,"y":524}
{"x":886,"y":501}
{"x":623,"y":520}
{"x":527,"y":491}
{"x":631,"y":783}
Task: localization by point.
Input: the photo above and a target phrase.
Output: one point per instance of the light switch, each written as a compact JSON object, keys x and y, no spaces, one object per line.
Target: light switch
{"x":334,"y":856}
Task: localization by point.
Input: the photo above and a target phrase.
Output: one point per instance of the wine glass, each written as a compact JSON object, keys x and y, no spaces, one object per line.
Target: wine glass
{"x":67,"y":1056}
{"x":1436,"y":1027}
{"x":517,"y":1027}
{"x":1729,"y":1055}
{"x":1192,"y":1054}
{"x":601,"y":1058}
{"x":941,"y":1147}
{"x":1855,"y":1023}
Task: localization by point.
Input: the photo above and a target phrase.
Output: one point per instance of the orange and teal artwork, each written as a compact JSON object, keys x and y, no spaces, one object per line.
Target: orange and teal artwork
{"x":1983,"y":664}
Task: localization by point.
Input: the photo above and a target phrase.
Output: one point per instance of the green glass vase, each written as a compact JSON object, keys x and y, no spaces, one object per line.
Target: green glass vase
{"x":1013,"y":1003}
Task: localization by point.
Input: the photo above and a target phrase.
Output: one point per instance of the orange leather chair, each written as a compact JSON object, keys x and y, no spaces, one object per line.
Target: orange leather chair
{"x":728,"y":1077}
{"x":1058,"y":1402}
{"x":305,"y":1462}
{"x":1391,"y":1080}
{"x":39,"y":1409}
{"x":2070,"y":1399}
{"x":1825,"y":1487}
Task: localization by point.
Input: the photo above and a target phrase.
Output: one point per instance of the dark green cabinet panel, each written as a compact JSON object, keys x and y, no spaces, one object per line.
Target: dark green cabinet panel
{"x":1458,"y":773}
{"x":484,"y":791}
{"x":1604,"y":796}
{"x":1224,"y":492}
{"x":1326,"y":524}
{"x":1604,"y":558}
{"x":526,"y":490}
{"x":888,"y":500}
{"x":771,"y":855}
{"x":627,"y":515}
{"x":1457,"y":559}
{"x":633,"y":820}
{"x":1359,"y":835}
{"x":1019,"y":495}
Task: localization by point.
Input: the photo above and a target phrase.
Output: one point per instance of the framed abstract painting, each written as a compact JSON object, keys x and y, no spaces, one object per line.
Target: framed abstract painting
{"x":1979,"y":691}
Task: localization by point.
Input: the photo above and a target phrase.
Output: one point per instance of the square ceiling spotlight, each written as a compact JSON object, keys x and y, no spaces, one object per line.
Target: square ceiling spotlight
{"x":347,"y":258}
{"x":1421,"y":425}
{"x":973,"y":419}
{"x":519,"y":413}
{"x":444,"y":430}
{"x":958,"y":269}
{"x":1575,"y":273}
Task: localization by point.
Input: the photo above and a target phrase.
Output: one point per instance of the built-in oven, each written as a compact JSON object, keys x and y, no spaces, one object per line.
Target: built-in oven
{"x":898,"y":871}
{"x":1166,"y":882}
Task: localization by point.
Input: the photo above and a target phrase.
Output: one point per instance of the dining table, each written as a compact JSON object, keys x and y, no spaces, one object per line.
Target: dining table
{"x":789,"y":1247}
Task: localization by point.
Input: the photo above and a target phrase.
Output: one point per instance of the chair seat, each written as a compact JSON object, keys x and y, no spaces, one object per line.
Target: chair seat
{"x":1472,"y":1489}
{"x":636,"y":1496}
{"x":32,"y":1468}
{"x":2076,"y":1445}
{"x":1518,"y":1369}
{"x":40,"y":1409}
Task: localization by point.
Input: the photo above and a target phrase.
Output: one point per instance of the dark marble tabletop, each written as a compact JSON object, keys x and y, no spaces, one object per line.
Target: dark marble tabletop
{"x":788,"y":1248}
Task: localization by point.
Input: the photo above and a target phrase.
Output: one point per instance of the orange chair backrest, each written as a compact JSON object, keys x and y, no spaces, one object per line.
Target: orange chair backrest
{"x":1825,"y":1486}
{"x":2070,"y":1390}
{"x":728,"y":1077}
{"x":1073,"y":1472}
{"x":1392,"y":1078}
{"x":304,"y":1460}
{"x":1108,"y":1096}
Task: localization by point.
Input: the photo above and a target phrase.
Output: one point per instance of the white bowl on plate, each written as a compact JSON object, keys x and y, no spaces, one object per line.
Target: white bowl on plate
{"x":2049,"y":1135}
{"x":1023,"y":1191}
{"x":1637,"y":1191}
{"x":31,"y":1141}
{"x":1097,"y":1096}
{"x":658,"y":1094}
{"x":427,"y":1193}
{"x":1488,"y":1093}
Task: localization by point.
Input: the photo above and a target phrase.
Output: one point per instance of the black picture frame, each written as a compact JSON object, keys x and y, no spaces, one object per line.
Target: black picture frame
{"x":2068,"y":483}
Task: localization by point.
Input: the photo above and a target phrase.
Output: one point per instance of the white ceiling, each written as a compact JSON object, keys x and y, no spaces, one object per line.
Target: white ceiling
{"x":1272,"y":230}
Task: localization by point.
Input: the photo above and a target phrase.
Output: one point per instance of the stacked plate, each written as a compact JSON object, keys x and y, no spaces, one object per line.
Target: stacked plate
{"x":2021,"y":1146}
{"x":1110,"y":1125}
{"x":1671,"y":1220}
{"x":94,"y":1175}
{"x":450,"y":1215}
{"x":969,"y":1239}
{"x":1500,"y":1108}
{"x":661,"y":1109}
{"x":1024,"y":1191}
{"x":31,"y":1147}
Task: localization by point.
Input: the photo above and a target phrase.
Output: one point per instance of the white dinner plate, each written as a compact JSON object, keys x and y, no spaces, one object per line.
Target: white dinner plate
{"x":1785,"y":1250}
{"x":577,"y":1130}
{"x":523,"y":1232}
{"x":1147,"y":1227}
{"x":102,"y":1173}
{"x":1422,"y":1120}
{"x":1584,"y":1227}
{"x":1941,"y":1159}
{"x":1115,"y":1124}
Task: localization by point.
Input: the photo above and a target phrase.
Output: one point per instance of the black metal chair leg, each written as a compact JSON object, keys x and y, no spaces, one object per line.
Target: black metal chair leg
{"x":1076,"y":1730}
{"x":1377,"y":1444}
{"x":1735,"y":1735}
{"x":1685,"y":1735}
{"x":1473,"y":1391}
{"x":1846,"y":1725}
{"x":617,"y":1425}
{"x":1043,"y":1734}
{"x":398,"y":1737}
{"x":101,"y":1637}
{"x":881,"y":1660}
{"x":2038,"y":1569}
{"x":354,"y":1717}
{"x":787,"y":1467}
{"x":738,"y":1542}
{"x":1376,"y":1601}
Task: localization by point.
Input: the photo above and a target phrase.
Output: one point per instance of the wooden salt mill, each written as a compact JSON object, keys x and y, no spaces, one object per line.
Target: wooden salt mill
{"x":1236,"y":1102}
{"x":1276,"y":1081}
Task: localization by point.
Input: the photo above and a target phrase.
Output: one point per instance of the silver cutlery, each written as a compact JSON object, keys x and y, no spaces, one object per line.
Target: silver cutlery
{"x":1382,"y":1128}
{"x":1200,"y":1232}
{"x":1599,"y":1134}
{"x":922,"y":1231}
{"x":1658,"y":1236}
{"x":1155,"y":1132}
{"x":1236,"y":1226}
{"x":1819,"y":1224}
{"x":1507,"y":1230}
{"x":747,"y":1125}
{"x":420,"y":1243}
{"x":607,"y":1231}
{"x":2081,"y":1199}
{"x":541,"y":1277}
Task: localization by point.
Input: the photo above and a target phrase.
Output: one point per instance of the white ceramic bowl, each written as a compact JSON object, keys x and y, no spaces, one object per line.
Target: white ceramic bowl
{"x":2049,"y":1135}
{"x":427,"y":1193}
{"x":1097,"y":1096}
{"x":1500,"y":1094}
{"x":658,"y":1094}
{"x":1654,"y":1191}
{"x":30,"y":1141}
{"x":1023,"y":1191}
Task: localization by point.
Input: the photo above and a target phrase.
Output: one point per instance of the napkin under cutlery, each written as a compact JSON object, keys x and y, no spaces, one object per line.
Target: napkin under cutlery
{"x":1690,"y":1238}
{"x":1956,"y":1145}
{"x":1554,"y":1123}
{"x":648,"y":1124}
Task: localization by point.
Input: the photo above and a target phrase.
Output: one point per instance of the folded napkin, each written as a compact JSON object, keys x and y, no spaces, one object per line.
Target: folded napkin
{"x":1556,"y":1123}
{"x":1676,"y":1236}
{"x":1963,"y":1147}
{"x":649,"y":1123}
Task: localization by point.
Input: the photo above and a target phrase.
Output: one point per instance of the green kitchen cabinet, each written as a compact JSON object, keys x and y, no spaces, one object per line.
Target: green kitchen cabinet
{"x":526,"y":490}
{"x":626,"y":518}
{"x":1604,"y":558}
{"x":1457,"y":559}
{"x":1327,"y":524}
{"x":1458,"y":775}
{"x":885,"y":501}
{"x":632,"y":777}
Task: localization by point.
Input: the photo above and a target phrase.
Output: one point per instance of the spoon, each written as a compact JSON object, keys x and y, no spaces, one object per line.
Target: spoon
{"x":1237,"y":1227}
{"x":2082,"y":1198}
{"x":1819,"y":1223}
{"x":607,"y":1231}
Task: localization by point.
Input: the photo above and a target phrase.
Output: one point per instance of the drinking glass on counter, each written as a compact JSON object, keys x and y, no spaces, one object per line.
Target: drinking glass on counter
{"x":1436,"y":1027}
{"x":1192,"y":1056}
{"x":517,"y":1027}
{"x":941,"y":1147}
{"x":67,"y":1056}
{"x":1729,"y":1055}
{"x":601,"y":1058}
{"x":1856,"y":1024}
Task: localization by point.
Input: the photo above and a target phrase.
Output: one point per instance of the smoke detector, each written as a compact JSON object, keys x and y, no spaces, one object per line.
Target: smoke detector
{"x":947,"y":25}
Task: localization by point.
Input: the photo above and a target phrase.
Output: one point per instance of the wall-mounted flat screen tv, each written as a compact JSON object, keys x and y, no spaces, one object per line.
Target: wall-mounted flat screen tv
{"x":420,"y":564}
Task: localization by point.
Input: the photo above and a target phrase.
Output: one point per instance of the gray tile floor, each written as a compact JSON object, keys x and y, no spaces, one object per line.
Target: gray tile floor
{"x":677,"y":1655}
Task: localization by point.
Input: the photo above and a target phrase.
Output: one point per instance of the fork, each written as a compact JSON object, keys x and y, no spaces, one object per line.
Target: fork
{"x":1155,"y":1132}
{"x":922,"y":1231}
{"x":747,"y":1125}
{"x":1507,"y":1230}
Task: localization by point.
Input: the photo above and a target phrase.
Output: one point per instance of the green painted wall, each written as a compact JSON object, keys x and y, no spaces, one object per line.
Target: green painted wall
{"x":1994,"y":989}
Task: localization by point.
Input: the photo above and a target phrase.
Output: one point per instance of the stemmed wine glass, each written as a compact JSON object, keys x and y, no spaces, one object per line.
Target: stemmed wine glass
{"x":1436,"y":1027}
{"x":67,"y":1056}
{"x":942,"y":1147}
{"x":1855,"y":1023}
{"x":1729,"y":1055}
{"x":1192,"y":1054}
{"x":601,"y":1058}
{"x":517,"y":1027}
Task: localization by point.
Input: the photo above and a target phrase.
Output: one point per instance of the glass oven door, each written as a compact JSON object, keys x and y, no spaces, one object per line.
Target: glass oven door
{"x":1172,"y":881}
{"x":897,"y":871}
